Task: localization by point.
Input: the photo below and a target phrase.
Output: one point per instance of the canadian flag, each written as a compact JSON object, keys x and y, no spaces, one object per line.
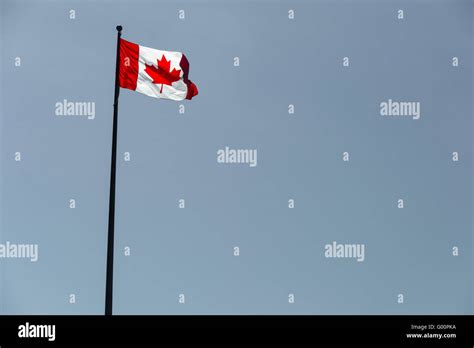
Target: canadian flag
{"x":156,"y":73}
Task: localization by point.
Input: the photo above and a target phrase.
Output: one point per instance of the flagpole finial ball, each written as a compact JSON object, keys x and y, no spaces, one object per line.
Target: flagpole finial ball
{"x":119,"y":28}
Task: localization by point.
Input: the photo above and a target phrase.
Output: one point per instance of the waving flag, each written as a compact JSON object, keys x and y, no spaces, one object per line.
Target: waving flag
{"x":156,"y":73}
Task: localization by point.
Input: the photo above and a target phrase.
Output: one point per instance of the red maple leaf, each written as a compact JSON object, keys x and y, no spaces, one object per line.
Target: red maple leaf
{"x":162,"y":75}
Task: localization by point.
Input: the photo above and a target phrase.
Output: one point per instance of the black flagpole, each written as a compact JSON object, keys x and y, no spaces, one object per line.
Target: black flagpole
{"x":110,"y":238}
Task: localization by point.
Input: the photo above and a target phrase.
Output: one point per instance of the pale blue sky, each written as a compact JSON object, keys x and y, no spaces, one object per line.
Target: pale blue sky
{"x":282,"y":62}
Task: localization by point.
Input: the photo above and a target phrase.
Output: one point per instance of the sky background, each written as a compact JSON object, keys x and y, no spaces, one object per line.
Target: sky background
{"x":173,"y":156}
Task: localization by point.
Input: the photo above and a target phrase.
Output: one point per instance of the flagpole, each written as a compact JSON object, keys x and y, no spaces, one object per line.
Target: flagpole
{"x":110,"y":237}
